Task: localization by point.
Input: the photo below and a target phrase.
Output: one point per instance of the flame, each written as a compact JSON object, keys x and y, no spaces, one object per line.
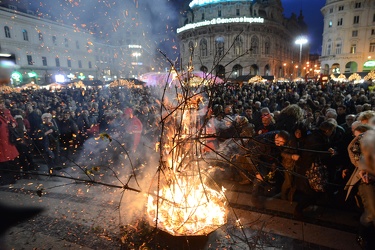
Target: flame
{"x":186,"y":201}
{"x":188,"y":206}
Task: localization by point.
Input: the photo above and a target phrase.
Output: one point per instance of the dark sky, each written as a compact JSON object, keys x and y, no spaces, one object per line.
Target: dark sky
{"x":313,"y":18}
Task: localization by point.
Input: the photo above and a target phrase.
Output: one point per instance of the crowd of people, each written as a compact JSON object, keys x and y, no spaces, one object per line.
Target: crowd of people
{"x":310,"y":142}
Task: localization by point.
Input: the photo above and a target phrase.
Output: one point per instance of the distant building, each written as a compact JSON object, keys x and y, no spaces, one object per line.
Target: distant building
{"x":348,"y":36}
{"x":234,"y":38}
{"x":44,"y":50}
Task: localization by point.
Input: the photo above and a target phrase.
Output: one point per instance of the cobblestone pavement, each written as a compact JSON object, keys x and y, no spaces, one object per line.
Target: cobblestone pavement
{"x":79,"y":216}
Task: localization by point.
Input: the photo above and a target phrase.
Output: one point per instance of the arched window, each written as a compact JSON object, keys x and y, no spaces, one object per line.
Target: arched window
{"x":191,"y":47}
{"x":237,"y":70}
{"x":219,"y":46}
{"x":203,"y":48}
{"x":7,"y":32}
{"x":338,"y":46}
{"x":254,"y":45}
{"x":329,"y":47}
{"x":25,"y":35}
{"x":267,"y":46}
{"x":238,"y":46}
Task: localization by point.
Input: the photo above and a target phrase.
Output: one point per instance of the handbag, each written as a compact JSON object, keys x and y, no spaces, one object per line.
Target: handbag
{"x":317,"y":176}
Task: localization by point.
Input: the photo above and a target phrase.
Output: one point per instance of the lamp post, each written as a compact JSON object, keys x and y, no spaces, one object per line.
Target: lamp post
{"x":300,"y":41}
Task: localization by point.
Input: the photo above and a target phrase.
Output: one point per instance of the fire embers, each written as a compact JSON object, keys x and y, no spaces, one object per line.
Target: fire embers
{"x":188,"y":204}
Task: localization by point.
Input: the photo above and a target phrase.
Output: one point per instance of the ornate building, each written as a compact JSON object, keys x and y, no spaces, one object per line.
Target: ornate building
{"x":348,"y":36}
{"x":233,"y":38}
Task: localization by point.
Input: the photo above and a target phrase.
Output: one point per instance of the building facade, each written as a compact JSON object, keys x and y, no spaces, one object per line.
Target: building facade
{"x":348,"y":36}
{"x":236,"y":38}
{"x":45,"y":51}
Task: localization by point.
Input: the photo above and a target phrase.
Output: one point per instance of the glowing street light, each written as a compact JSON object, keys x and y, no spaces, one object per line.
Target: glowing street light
{"x":300,"y":41}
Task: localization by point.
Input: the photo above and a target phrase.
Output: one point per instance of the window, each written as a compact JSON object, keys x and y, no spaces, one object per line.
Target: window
{"x":372,"y":47}
{"x":77,"y":45}
{"x":353,"y":48}
{"x":356,"y":20}
{"x":238,"y":12}
{"x":40,"y":36}
{"x":357,"y":5}
{"x":69,"y":63}
{"x":219,"y":46}
{"x":44,"y":61}
{"x":90,"y":65}
{"x":238,"y":46}
{"x":331,"y":10}
{"x":29,"y":60}
{"x":203,"y":48}
{"x":267,"y":46}
{"x":219,"y":13}
{"x":254,"y":45}
{"x":54,"y":40}
{"x":341,"y":8}
{"x":373,"y":32}
{"x":339,"y":22}
{"x":354,"y":33}
{"x":57,"y":60}
{"x":329,"y":47}
{"x":330,"y":24}
{"x":66,"y":42}
{"x":338,"y":48}
{"x":79,"y":64}
{"x":7,"y":31}
{"x":25,"y":35}
{"x":202,"y":16}
{"x":191,"y":47}
{"x":373,"y":18}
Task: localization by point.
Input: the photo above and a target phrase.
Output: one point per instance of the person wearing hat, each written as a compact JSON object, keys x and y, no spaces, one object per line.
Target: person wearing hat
{"x":133,"y":129}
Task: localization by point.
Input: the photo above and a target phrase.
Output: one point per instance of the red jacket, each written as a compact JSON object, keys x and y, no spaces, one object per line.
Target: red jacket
{"x":134,"y":127}
{"x":8,"y":151}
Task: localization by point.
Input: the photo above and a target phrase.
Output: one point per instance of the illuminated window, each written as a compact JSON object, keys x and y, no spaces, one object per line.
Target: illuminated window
{"x":7,"y":32}
{"x":330,"y":24}
{"x":25,"y":35}
{"x":353,"y":48}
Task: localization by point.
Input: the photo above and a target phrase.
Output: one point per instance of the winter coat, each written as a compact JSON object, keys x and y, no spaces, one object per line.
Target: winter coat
{"x":8,"y":151}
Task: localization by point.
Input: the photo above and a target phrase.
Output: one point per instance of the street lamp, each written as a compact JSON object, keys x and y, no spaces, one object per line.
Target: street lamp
{"x":300,"y":41}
